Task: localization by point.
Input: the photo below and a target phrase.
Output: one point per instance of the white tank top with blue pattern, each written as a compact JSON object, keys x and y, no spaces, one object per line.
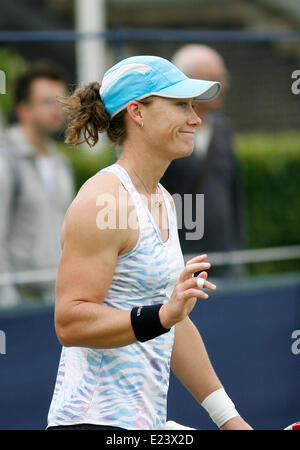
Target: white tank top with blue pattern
{"x":127,"y":386}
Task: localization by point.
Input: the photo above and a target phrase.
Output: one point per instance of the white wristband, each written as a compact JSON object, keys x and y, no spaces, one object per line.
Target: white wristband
{"x":219,"y":407}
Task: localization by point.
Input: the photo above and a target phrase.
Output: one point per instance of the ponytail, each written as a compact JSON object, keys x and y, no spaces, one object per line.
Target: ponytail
{"x":87,"y":116}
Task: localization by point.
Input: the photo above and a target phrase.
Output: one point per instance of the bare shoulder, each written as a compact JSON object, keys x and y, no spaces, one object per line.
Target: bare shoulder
{"x":85,"y":223}
{"x":89,"y":252}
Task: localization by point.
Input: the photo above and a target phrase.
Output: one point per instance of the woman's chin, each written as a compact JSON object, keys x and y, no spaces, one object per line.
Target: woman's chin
{"x":187,"y":151}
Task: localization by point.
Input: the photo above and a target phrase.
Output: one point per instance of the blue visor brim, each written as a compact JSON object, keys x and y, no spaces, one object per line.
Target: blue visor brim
{"x":200,"y":90}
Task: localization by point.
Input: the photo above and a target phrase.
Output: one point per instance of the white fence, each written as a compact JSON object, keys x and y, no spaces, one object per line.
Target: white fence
{"x":216,"y":259}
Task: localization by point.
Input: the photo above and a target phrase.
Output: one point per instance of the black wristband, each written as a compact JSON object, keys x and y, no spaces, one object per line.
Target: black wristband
{"x":145,"y":322}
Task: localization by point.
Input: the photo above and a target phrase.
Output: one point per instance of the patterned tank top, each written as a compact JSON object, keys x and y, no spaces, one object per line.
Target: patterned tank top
{"x":127,"y":386}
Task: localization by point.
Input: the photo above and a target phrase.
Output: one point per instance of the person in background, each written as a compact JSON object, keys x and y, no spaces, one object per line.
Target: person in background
{"x":212,"y":168}
{"x":36,"y":183}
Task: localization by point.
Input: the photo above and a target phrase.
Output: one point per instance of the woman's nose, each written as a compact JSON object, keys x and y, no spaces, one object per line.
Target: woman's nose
{"x":195,"y":119}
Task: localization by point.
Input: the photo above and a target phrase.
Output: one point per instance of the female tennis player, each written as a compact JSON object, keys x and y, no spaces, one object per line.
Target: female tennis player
{"x":123,"y":293}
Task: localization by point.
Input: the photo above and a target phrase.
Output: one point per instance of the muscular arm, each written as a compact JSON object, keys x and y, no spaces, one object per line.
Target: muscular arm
{"x":85,"y":272}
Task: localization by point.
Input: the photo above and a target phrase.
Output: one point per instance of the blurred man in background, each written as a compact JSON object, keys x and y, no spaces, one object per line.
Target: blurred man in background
{"x":36,"y":183}
{"x":212,"y":168}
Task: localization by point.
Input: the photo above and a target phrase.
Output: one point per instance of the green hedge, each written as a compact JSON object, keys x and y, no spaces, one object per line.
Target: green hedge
{"x":86,"y":162}
{"x":270,"y":167}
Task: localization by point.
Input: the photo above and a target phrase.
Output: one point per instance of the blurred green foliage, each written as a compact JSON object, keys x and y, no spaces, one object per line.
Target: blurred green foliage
{"x":86,"y":162}
{"x":270,"y":166}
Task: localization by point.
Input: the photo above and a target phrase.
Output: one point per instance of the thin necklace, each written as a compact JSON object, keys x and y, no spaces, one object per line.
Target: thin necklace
{"x":157,"y":202}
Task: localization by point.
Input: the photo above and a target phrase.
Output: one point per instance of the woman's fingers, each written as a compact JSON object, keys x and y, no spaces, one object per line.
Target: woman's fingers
{"x":191,"y":268}
{"x":202,"y":275}
{"x":193,"y":287}
{"x":197,"y":259}
{"x":194,"y":293}
{"x":204,"y":283}
{"x":186,"y":291}
{"x":199,"y":282}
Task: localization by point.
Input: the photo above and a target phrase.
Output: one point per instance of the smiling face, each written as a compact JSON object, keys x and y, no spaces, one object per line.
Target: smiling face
{"x":170,"y":126}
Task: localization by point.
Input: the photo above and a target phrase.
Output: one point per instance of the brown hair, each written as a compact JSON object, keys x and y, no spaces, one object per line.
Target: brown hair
{"x":87,"y":117}
{"x":39,"y":69}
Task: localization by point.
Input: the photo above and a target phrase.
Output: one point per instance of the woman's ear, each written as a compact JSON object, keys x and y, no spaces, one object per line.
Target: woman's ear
{"x":134,"y":111}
